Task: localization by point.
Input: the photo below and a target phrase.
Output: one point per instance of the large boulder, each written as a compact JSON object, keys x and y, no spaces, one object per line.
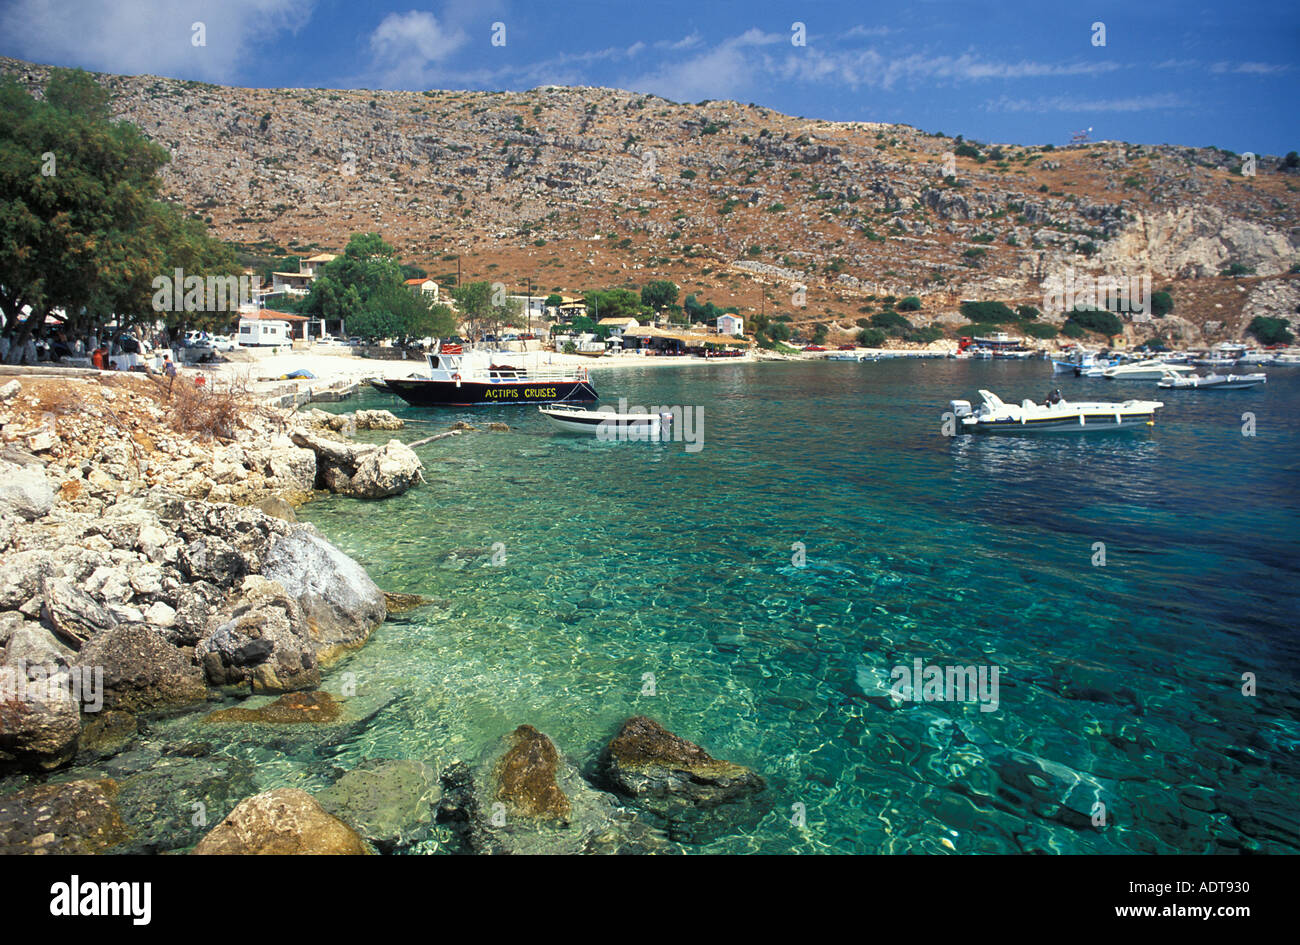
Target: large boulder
{"x":390,"y":470}
{"x":260,"y":640}
{"x":283,"y":821}
{"x":72,"y":817}
{"x":20,"y":576}
{"x":340,"y":602}
{"x":40,"y":721}
{"x":390,"y":803}
{"x":142,"y":670}
{"x":363,"y":471}
{"x":24,"y":490}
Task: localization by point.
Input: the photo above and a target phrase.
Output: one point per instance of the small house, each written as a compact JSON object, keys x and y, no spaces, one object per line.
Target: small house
{"x":731,"y":325}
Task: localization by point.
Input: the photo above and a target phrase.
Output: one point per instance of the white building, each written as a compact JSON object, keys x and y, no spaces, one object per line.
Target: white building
{"x":731,"y":325}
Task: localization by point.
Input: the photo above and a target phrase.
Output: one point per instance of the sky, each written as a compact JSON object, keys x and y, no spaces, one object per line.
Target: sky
{"x":1149,"y":71}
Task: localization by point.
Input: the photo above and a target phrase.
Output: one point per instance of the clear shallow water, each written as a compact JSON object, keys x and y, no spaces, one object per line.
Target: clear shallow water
{"x":1118,"y":683}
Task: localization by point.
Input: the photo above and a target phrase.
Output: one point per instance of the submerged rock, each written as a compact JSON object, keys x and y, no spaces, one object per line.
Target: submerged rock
{"x":673,"y":778}
{"x":524,"y":797}
{"x":171,"y":804}
{"x":71,"y":817}
{"x":390,"y":803}
{"x":525,"y":776}
{"x":377,"y":420}
{"x":399,"y":603}
{"x":294,"y":708}
{"x":283,"y":821}
{"x":105,"y":734}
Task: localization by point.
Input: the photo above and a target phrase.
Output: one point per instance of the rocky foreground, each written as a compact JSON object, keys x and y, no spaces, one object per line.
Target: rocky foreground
{"x":151,"y":564}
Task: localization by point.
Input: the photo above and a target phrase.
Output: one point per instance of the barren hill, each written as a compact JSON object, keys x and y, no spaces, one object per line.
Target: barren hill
{"x":579,"y":188}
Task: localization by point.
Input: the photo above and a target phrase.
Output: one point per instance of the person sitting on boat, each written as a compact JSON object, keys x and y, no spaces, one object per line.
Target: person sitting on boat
{"x":1053,"y":398}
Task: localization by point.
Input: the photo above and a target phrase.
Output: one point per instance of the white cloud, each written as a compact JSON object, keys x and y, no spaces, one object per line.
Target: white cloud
{"x":1065,"y":103}
{"x":1249,"y":68}
{"x":147,"y":36}
{"x":720,"y":73}
{"x":409,"y":48}
{"x":872,"y":69}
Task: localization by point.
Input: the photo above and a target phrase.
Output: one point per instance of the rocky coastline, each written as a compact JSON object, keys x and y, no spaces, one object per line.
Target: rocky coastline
{"x":152,"y":567}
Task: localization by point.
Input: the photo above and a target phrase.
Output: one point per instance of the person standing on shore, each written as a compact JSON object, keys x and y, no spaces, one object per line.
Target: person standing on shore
{"x":169,"y":368}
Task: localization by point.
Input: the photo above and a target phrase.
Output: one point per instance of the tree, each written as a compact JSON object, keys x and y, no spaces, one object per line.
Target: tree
{"x":614,"y":303}
{"x":659,"y":294}
{"x":365,"y":287}
{"x":83,"y":234}
{"x":554,"y":301}
{"x":910,"y":304}
{"x":1027,"y":313}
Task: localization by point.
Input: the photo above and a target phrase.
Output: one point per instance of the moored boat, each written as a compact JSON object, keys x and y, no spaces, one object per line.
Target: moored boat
{"x":1055,"y":414}
{"x":1173,"y":381}
{"x":1150,"y":370}
{"x":606,"y":424}
{"x":473,"y":378}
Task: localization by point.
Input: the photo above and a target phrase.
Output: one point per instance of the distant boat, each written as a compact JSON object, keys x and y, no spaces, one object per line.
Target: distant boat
{"x":1152,"y":370}
{"x":606,"y":424}
{"x":1057,"y":414}
{"x":1211,"y":381}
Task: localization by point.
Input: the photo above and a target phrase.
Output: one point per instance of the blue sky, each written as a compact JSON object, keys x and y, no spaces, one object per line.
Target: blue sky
{"x":1220,"y":74}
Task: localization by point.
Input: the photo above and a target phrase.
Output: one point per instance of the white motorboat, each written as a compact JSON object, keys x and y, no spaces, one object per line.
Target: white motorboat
{"x":1285,"y":360}
{"x":1151,"y":370}
{"x":1056,"y":414}
{"x":607,"y":424}
{"x":1212,"y":381}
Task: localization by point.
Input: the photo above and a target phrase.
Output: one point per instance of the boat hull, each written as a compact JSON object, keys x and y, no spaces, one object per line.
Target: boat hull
{"x":426,"y":393}
{"x":1092,"y":423}
{"x":606,"y":425}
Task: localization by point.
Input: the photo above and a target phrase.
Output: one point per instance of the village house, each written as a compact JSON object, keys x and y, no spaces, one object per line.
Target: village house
{"x":299,"y":283}
{"x":731,"y":325}
{"x":425,"y":285}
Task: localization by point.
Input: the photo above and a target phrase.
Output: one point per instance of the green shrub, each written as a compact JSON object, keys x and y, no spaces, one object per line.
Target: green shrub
{"x":872,"y":338}
{"x":1162,"y":303}
{"x":910,"y":304}
{"x":1096,"y":320}
{"x":1238,"y":269}
{"x":991,"y":313}
{"x":891,"y":322}
{"x":1027,"y":312}
{"x":1040,"y":330}
{"x":1073,"y":330}
{"x":1270,"y":331}
{"x":925,"y":335}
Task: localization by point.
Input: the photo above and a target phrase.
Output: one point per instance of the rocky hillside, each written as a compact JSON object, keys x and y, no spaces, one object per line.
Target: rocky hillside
{"x":583,"y":187}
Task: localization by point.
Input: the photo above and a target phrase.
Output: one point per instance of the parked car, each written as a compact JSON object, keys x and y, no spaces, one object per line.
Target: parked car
{"x":222,"y":343}
{"x":356,"y":341}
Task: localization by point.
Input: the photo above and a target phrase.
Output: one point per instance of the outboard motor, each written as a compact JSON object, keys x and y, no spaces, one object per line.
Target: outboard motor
{"x":959,"y":408}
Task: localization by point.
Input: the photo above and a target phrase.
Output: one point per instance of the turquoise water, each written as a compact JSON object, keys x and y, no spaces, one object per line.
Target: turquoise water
{"x":1119,"y":684}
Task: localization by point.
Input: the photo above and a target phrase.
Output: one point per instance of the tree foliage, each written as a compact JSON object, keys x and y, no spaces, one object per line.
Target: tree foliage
{"x":364,"y":287}
{"x":82,"y":228}
{"x":1270,"y":331}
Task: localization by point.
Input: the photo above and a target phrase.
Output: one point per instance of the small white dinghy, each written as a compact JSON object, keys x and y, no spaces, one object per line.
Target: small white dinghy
{"x":994,"y":415}
{"x":607,"y":424}
{"x":1212,"y":381}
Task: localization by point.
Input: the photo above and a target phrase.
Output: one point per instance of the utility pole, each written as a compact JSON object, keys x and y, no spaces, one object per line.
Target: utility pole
{"x":458,"y":270}
{"x":530,"y":310}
